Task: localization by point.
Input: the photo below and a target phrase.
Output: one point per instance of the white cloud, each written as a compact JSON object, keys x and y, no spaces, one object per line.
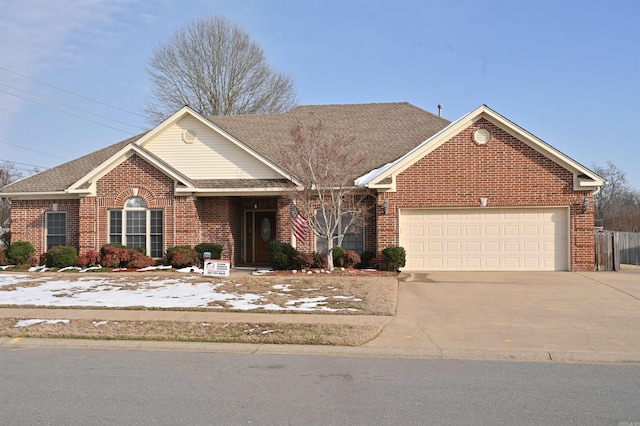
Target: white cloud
{"x":35,"y":33}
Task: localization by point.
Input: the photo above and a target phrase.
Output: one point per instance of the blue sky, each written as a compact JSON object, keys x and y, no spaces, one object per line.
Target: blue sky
{"x":568,"y":71}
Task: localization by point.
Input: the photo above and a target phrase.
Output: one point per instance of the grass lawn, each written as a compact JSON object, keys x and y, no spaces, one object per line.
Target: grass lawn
{"x":341,"y":294}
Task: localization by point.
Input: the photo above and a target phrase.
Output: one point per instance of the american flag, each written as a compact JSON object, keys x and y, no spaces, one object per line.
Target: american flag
{"x":299,"y":224}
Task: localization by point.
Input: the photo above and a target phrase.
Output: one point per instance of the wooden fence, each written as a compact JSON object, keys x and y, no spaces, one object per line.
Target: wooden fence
{"x":615,"y":248}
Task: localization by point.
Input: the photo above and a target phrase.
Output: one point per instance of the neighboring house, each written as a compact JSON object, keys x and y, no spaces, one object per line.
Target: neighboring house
{"x":479,"y":193}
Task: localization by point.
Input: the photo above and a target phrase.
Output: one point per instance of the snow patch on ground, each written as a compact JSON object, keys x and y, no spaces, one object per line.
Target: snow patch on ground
{"x":117,"y":292}
{"x":27,"y":323}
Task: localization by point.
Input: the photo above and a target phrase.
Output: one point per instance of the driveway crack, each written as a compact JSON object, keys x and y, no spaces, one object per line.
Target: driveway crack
{"x":586,"y":332}
{"x":609,"y":285}
{"x":426,"y":333}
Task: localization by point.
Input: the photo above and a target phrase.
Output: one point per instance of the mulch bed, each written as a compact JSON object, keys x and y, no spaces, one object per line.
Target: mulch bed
{"x":337,"y":272}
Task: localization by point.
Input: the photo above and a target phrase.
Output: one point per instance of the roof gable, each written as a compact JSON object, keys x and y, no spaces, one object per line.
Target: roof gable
{"x":87,"y":184}
{"x":201,"y":150}
{"x":383,"y":178}
{"x":202,"y":153}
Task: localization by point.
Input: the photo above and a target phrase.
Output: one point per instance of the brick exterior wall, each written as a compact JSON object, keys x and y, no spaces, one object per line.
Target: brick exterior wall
{"x":369,"y":228}
{"x":28,"y":219}
{"x":187,"y":220}
{"x":457,"y":174}
{"x":505,"y":171}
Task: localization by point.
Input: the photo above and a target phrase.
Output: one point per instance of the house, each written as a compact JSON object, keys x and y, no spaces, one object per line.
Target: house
{"x":479,"y":193}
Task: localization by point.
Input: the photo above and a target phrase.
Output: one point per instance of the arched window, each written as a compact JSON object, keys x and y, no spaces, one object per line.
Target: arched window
{"x":137,"y":226}
{"x":135,"y":203}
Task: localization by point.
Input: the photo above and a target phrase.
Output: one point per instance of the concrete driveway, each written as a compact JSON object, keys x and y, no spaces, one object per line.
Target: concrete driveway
{"x":575,"y":315}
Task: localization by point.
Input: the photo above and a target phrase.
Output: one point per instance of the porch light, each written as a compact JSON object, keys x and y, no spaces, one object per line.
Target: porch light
{"x":385,"y":206}
{"x":585,"y":205}
{"x":255,"y":206}
{"x":483,"y":202}
{"x":54,"y":207}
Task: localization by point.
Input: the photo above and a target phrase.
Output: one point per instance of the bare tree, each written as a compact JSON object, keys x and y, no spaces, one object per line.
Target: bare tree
{"x":213,"y":66}
{"x":8,"y":174}
{"x":617,"y":203}
{"x":322,"y":163}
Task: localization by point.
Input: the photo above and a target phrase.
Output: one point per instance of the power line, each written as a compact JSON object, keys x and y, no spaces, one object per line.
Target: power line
{"x":32,"y":150}
{"x":72,"y":93}
{"x":55,"y":126}
{"x":24,"y":164}
{"x":69,"y":106}
{"x":68,"y":113}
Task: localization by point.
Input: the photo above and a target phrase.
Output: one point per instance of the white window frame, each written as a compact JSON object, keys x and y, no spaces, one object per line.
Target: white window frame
{"x":130,"y":206}
{"x":48,"y":234}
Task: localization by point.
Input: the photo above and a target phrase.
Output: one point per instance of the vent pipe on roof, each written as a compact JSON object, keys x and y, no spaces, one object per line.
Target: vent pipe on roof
{"x":439,"y":110}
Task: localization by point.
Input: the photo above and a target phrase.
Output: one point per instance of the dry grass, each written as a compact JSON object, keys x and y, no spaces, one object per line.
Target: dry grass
{"x":366,"y":295}
{"x":302,"y":334}
{"x":370,"y":295}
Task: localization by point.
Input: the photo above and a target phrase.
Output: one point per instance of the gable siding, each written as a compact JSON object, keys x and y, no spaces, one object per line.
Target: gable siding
{"x":210,"y":156}
{"x":505,"y":171}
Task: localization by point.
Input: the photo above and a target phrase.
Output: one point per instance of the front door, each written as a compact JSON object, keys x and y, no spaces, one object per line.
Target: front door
{"x":260,"y":229}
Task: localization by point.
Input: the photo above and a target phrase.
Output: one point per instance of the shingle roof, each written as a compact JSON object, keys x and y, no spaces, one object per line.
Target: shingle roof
{"x":239,"y":183}
{"x":63,"y":176}
{"x":383,"y":132}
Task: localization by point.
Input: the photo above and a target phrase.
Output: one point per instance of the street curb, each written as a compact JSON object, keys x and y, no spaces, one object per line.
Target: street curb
{"x":345,"y":351}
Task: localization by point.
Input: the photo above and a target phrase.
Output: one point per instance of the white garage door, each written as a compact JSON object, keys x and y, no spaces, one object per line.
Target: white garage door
{"x":485,"y":239}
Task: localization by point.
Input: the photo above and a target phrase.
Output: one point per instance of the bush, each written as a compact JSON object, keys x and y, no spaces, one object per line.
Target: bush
{"x":4,"y":256}
{"x":312,"y":260}
{"x":319,"y":260}
{"x":338,"y":256}
{"x":283,"y":256}
{"x":366,"y":260}
{"x":306,"y":260}
{"x":138,"y":260}
{"x":89,"y":258}
{"x":61,"y":257}
{"x":114,"y":256}
{"x":394,"y":258}
{"x":21,"y":253}
{"x":214,"y":249}
{"x":182,"y":256}
{"x":350,"y":259}
{"x":105,"y":248}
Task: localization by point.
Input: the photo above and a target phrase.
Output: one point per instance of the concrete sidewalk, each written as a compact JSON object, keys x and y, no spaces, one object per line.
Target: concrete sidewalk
{"x":528,"y":316}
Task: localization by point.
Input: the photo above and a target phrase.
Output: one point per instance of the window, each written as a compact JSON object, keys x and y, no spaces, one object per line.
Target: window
{"x":157,"y":246}
{"x":56,"y":229}
{"x":137,"y":226}
{"x":115,"y":226}
{"x":353,"y":238}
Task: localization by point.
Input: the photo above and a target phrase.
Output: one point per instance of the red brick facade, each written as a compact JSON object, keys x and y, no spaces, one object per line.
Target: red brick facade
{"x":28,"y":219}
{"x":505,"y":171}
{"x":187,"y":220}
{"x":457,"y":174}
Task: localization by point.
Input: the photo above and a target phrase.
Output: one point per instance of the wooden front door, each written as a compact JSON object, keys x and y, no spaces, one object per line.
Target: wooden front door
{"x":260,"y":230}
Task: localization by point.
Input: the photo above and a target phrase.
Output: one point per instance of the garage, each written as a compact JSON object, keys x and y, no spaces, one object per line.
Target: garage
{"x":485,"y":239}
